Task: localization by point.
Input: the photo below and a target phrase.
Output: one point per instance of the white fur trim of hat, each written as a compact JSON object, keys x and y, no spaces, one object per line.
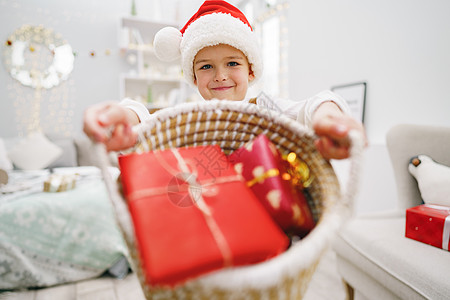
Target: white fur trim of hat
{"x":212,"y":25}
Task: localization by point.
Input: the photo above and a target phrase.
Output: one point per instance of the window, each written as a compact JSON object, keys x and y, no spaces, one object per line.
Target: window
{"x":269,"y":20}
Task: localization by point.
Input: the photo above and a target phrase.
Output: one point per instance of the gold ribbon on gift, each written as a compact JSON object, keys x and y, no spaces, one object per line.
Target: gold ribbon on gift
{"x":298,"y":172}
{"x":196,"y":191}
{"x":259,"y":179}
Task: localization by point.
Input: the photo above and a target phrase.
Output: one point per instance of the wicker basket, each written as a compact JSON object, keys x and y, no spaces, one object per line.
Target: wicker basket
{"x":230,"y":125}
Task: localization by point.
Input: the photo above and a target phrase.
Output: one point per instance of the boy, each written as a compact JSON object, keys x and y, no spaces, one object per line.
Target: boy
{"x":220,"y":57}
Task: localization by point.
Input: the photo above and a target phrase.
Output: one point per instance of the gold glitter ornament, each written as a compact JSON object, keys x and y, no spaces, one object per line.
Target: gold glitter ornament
{"x":297,"y":171}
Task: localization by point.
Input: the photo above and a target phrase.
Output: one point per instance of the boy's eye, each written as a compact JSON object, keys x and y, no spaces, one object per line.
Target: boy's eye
{"x":206,"y":67}
{"x":233,"y":64}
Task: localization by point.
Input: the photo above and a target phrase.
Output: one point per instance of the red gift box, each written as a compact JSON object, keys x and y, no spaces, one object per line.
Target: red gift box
{"x":429,"y":224}
{"x":270,"y":178}
{"x":193,"y":214}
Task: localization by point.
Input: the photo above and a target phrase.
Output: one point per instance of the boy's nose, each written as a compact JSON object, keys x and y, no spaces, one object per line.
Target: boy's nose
{"x":221,"y":75}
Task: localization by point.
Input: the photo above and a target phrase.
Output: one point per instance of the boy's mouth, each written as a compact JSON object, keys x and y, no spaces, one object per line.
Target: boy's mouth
{"x":221,"y":88}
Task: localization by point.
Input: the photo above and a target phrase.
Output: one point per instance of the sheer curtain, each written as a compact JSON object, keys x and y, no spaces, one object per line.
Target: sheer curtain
{"x":269,"y":20}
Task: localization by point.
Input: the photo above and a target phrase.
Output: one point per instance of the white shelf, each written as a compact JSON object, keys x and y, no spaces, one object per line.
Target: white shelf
{"x":146,"y":28}
{"x":147,"y":49}
{"x":144,"y":24}
{"x":150,"y":79}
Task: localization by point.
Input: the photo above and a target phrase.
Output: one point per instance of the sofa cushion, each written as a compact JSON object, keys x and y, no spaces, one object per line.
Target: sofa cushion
{"x":5,"y":162}
{"x":68,"y":159}
{"x":34,"y":152}
{"x":408,"y":268}
{"x":86,"y":155}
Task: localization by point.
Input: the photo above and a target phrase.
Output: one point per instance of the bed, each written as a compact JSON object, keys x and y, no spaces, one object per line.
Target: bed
{"x":51,"y":238}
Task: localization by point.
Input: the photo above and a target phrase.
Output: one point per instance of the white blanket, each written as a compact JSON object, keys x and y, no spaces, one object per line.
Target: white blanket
{"x":54,"y":238}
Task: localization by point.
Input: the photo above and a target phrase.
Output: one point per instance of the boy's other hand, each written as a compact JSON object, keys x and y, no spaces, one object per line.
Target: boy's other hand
{"x":332,"y":128}
{"x":110,"y":124}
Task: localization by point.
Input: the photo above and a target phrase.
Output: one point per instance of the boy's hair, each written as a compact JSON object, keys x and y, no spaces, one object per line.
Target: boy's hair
{"x":216,"y":22}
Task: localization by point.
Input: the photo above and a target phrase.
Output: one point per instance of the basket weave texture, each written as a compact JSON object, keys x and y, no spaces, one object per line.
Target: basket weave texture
{"x":230,"y":125}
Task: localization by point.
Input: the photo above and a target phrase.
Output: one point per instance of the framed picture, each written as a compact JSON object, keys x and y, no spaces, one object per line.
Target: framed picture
{"x":355,"y":95}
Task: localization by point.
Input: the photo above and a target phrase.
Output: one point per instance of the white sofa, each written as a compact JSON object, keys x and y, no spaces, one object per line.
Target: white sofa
{"x":375,"y":259}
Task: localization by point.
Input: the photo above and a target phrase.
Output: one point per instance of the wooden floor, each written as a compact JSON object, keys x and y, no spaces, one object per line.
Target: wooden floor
{"x":326,"y":284}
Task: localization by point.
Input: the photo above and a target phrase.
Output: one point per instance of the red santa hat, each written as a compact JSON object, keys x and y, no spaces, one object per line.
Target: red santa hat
{"x":216,"y":22}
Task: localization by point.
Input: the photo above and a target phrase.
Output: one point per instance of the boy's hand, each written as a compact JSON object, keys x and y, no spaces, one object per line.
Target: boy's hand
{"x":332,"y":127}
{"x":110,"y":124}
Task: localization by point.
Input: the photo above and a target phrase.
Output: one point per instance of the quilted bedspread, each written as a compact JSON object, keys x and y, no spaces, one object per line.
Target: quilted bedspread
{"x":54,"y":238}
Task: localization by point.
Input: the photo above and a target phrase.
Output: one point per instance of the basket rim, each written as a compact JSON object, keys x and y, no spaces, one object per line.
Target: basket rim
{"x":219,"y":105}
{"x":300,"y":255}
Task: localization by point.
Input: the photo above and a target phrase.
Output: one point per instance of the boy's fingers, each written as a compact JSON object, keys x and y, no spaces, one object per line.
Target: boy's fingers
{"x":98,"y":120}
{"x":116,"y":138}
{"x":91,"y":125}
{"x":331,"y":127}
{"x":122,"y":137}
{"x":112,"y":115}
{"x":331,"y":150}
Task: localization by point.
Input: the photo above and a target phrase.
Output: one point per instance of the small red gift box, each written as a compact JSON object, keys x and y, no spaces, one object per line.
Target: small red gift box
{"x":270,"y":178}
{"x":193,"y":214}
{"x":429,"y":224}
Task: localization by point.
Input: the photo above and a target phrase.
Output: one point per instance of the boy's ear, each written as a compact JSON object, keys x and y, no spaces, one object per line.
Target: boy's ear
{"x":251,"y":75}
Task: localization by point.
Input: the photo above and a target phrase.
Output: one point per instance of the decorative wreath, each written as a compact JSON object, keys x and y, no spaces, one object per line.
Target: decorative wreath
{"x":28,"y":61}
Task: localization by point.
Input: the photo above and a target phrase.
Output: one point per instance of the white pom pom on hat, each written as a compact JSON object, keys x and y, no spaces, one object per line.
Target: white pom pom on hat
{"x":167,"y":44}
{"x":216,"y":22}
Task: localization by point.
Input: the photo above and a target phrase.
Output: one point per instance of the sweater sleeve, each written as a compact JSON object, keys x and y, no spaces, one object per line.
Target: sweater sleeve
{"x":307,"y":110}
{"x":302,"y":111}
{"x":139,"y":108}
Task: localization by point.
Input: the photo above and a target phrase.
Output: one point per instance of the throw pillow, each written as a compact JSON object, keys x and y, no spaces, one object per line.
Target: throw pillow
{"x":433,"y":179}
{"x":68,"y":159}
{"x":87,"y":157}
{"x":5,"y":163}
{"x":34,"y":152}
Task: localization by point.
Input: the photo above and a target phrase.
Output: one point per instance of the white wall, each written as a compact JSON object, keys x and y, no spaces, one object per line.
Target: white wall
{"x":400,"y":47}
{"x":88,"y":25}
{"x":376,"y":183}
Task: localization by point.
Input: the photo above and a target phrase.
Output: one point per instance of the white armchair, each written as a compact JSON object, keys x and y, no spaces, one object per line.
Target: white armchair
{"x":375,"y":259}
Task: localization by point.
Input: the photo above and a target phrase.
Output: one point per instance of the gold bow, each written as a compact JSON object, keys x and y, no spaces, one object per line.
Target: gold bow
{"x":298,"y":172}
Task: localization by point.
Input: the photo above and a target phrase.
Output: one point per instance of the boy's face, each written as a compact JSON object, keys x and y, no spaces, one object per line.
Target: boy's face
{"x":222,"y":72}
